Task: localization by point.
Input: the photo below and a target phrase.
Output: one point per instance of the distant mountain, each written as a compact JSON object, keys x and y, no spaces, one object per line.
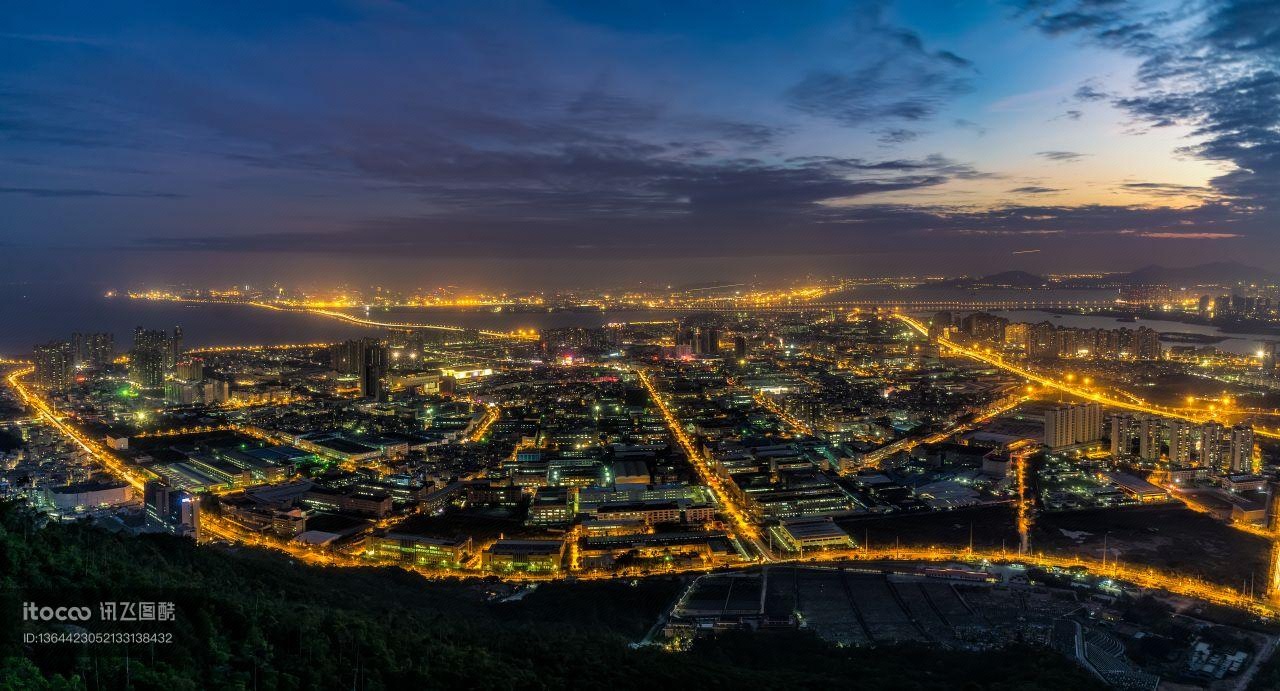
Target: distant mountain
{"x":1224,"y":273}
{"x":1004,"y":279}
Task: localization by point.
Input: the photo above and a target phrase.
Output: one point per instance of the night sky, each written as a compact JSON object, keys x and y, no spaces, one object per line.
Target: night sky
{"x":526,"y":144}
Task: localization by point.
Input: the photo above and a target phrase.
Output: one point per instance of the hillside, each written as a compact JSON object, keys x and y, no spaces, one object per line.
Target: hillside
{"x":1004,"y":279}
{"x":256,"y":620}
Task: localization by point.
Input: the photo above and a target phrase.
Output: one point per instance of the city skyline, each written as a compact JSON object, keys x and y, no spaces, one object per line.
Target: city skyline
{"x":550,"y":143}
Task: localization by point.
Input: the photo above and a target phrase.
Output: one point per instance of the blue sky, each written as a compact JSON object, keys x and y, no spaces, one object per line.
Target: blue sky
{"x":503,"y":143}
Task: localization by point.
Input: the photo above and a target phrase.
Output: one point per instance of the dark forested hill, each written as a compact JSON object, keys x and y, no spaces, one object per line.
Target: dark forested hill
{"x":258,"y":621}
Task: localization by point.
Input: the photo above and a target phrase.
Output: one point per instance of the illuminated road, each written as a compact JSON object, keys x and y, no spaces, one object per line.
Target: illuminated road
{"x":255,"y":348}
{"x":743,"y":527}
{"x":1145,"y":577}
{"x":1019,"y":459}
{"x":1000,"y":407}
{"x":796,"y":426}
{"x":521,"y":335}
{"x":491,"y":415}
{"x":1088,"y":394}
{"x":513,"y":335}
{"x":109,"y":461}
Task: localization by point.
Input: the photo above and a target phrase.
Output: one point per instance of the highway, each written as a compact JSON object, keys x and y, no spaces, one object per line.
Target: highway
{"x":520,"y":335}
{"x":113,"y":464}
{"x":1129,"y":402}
{"x":333,"y":314}
{"x":743,"y":527}
{"x":1000,"y":407}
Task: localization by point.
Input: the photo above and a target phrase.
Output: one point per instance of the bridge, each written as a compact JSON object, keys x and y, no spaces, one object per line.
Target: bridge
{"x":907,"y":305}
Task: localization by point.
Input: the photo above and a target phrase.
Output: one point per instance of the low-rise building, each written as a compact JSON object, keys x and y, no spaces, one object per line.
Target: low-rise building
{"x":524,"y":555}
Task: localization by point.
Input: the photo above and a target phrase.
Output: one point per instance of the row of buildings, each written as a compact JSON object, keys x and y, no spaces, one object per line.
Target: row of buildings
{"x":1150,"y":438}
{"x":1211,"y":445}
{"x":1067,"y":425}
{"x":1046,"y":341}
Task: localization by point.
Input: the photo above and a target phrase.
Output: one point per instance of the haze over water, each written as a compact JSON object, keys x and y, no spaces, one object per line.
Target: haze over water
{"x":38,"y":313}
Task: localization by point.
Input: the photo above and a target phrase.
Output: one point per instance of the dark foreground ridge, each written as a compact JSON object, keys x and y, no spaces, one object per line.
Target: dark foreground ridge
{"x":262,"y":621}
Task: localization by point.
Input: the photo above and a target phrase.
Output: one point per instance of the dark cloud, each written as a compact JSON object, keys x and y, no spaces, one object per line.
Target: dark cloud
{"x":897,"y":135}
{"x":397,"y":131}
{"x":825,"y":231}
{"x":1164,"y":189}
{"x":1061,"y":156}
{"x":891,"y":76}
{"x":66,"y":193}
{"x":1088,"y":92}
{"x":1064,"y":22}
{"x":1034,"y":189}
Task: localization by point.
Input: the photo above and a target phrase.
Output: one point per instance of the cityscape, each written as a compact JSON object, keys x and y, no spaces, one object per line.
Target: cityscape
{"x":528,"y":345}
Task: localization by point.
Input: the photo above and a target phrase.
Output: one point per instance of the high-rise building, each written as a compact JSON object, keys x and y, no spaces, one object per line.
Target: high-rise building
{"x":740,"y":347}
{"x":175,"y":348}
{"x":1059,"y":427}
{"x":984,"y":326}
{"x":1072,"y":424}
{"x":149,"y":359}
{"x":171,"y":510}
{"x":1242,"y":449}
{"x":686,"y":336}
{"x":95,"y":350}
{"x":1222,"y":305}
{"x":216,"y":391}
{"x":1087,"y":427}
{"x":1214,"y":446}
{"x":190,"y":369}
{"x":345,"y":357}
{"x":1017,"y":335}
{"x":1147,"y":344}
{"x":1181,"y":442}
{"x":53,"y":365}
{"x":187,"y":385}
{"x":1040,"y":343}
{"x":373,"y":368}
{"x":1149,"y":438}
{"x":1269,"y":357}
{"x":1123,"y":433}
{"x":940,"y":324}
{"x":708,"y":342}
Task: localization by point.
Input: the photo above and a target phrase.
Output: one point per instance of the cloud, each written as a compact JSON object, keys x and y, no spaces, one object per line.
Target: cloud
{"x":818,"y":229}
{"x":1034,"y":189}
{"x":532,"y":136}
{"x":891,"y":75}
{"x":1061,"y":156}
{"x":969,"y":125}
{"x":1211,"y":67}
{"x":1088,"y":92}
{"x":64,"y":193}
{"x":1164,"y":189}
{"x":897,"y":135}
